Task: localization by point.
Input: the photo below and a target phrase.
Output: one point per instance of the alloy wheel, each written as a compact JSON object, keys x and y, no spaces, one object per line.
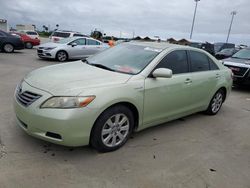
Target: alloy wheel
{"x":217,"y":102}
{"x":8,"y":48}
{"x":62,"y":56}
{"x":115,"y":130}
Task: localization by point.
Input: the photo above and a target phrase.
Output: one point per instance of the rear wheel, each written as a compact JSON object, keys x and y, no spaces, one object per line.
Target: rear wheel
{"x":112,"y":129}
{"x":216,"y":103}
{"x":28,"y":45}
{"x":8,"y":48}
{"x":61,"y":56}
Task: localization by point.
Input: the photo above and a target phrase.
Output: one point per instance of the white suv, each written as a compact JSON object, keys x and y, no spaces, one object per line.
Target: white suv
{"x":60,"y":34}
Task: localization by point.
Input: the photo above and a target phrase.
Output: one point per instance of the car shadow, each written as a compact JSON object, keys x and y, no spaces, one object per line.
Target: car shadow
{"x":242,"y":88}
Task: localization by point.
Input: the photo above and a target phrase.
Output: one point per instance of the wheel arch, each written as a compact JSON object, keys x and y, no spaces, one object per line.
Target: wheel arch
{"x":129,"y":105}
{"x":4,"y":43}
{"x":61,"y":50}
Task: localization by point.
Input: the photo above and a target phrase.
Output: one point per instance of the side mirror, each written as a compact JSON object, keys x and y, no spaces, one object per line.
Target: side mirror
{"x":162,"y":73}
{"x":73,"y":44}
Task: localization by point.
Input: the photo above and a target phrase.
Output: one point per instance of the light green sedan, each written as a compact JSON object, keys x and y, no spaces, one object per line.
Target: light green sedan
{"x":102,"y":100}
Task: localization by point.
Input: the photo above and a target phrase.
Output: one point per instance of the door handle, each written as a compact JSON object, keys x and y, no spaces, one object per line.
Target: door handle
{"x":217,"y":76}
{"x":188,"y":81}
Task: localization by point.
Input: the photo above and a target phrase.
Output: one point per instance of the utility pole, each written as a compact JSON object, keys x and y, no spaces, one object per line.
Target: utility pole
{"x":233,"y":13}
{"x":196,"y":4}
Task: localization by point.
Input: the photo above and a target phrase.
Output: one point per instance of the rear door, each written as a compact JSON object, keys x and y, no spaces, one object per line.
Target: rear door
{"x":93,"y":47}
{"x":168,"y":97}
{"x":205,"y":78}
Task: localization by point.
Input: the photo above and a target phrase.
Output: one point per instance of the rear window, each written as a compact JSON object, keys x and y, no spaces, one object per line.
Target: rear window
{"x":61,"y":34}
{"x":78,"y":35}
{"x":31,"y":33}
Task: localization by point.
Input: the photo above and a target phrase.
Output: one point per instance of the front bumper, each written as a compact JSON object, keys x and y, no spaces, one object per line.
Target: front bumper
{"x":46,"y":53}
{"x":68,"y":127}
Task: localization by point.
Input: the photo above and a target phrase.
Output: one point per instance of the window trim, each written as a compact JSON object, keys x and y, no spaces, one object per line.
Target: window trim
{"x":79,"y":44}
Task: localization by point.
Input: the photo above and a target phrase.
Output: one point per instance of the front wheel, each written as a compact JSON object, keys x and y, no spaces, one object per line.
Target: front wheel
{"x":216,"y":103}
{"x":112,"y":129}
{"x":61,"y":56}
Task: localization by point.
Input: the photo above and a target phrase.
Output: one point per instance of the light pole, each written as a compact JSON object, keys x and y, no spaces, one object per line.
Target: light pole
{"x":233,"y":13}
{"x":196,"y":4}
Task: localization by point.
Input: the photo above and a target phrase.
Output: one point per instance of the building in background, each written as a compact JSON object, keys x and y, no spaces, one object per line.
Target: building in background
{"x":4,"y":25}
{"x":20,"y":27}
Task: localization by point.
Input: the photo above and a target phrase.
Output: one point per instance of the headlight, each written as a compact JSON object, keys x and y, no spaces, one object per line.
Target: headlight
{"x":67,"y":102}
{"x":49,"y":48}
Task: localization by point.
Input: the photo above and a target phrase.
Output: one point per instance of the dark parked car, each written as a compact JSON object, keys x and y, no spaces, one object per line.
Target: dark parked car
{"x":220,"y":46}
{"x":9,"y":43}
{"x":204,"y":45}
{"x":28,"y":41}
{"x":226,"y":53}
{"x":239,"y":63}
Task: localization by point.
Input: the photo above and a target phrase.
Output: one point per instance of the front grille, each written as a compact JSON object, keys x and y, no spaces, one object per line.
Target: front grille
{"x":238,"y":71}
{"x":26,"y":98}
{"x":39,"y":51}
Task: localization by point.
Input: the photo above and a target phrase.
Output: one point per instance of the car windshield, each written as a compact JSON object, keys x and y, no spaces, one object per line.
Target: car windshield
{"x":242,"y":54}
{"x":227,"y":50}
{"x":125,"y":58}
{"x":64,"y":41}
{"x":61,"y":34}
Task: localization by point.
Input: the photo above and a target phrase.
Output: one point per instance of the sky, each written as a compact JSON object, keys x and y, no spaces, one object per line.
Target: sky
{"x":163,"y":18}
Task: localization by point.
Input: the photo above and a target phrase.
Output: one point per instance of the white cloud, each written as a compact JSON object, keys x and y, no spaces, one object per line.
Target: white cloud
{"x":163,"y":18}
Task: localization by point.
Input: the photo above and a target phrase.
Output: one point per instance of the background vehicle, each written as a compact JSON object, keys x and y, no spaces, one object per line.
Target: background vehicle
{"x":204,"y":46}
{"x":220,"y":46}
{"x":132,"y":86}
{"x":225,"y":53}
{"x":71,"y":48}
{"x":31,"y":34}
{"x":9,"y":43}
{"x":239,"y":63}
{"x":61,"y":34}
{"x":28,"y":41}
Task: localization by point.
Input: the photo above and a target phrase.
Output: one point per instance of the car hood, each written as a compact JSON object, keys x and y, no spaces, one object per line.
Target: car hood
{"x":51,"y":45}
{"x":237,"y":62}
{"x":71,"y":79}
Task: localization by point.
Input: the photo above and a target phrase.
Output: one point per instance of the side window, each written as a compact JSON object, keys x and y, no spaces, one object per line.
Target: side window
{"x":199,"y":61}
{"x":213,"y":65}
{"x":92,"y":42}
{"x":80,"y":41}
{"x":176,"y":61}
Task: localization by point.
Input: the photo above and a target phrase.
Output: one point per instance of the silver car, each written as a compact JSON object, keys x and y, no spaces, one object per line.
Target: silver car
{"x":71,"y":48}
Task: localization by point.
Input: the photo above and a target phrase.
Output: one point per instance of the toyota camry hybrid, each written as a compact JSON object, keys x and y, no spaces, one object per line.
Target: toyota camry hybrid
{"x":100,"y":101}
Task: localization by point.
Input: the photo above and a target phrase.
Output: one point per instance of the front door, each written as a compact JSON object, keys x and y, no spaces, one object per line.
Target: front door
{"x":167,"y":98}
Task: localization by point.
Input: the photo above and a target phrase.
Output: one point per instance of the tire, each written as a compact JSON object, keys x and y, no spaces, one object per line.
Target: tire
{"x":216,"y":103}
{"x":8,"y":48}
{"x":28,"y":45}
{"x":62,"y":56}
{"x":107,"y":135}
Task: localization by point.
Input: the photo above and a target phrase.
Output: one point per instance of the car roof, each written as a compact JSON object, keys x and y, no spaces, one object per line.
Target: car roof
{"x":160,"y":45}
{"x":75,"y":38}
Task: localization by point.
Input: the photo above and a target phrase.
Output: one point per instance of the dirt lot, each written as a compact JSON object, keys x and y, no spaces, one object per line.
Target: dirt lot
{"x":196,"y":151}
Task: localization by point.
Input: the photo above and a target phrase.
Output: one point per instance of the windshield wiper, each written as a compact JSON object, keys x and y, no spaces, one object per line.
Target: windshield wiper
{"x":101,"y":66}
